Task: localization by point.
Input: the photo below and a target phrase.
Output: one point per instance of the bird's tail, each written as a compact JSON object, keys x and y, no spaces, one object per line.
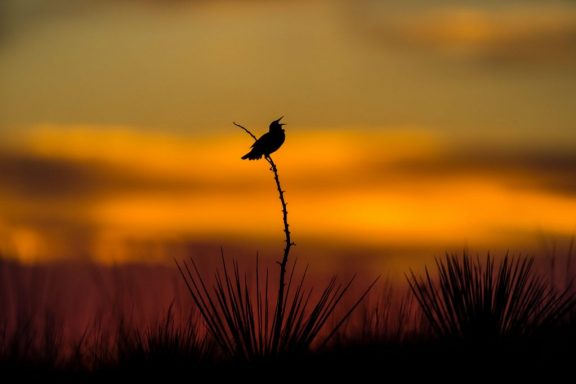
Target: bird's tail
{"x":251,"y":156}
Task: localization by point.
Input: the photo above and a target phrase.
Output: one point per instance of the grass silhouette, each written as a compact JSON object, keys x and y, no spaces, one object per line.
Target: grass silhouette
{"x":162,"y":346}
{"x":380,"y":335}
{"x":488,"y":300}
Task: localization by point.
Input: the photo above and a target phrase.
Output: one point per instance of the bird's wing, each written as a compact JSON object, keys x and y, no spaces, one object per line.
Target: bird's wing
{"x":262,"y":142}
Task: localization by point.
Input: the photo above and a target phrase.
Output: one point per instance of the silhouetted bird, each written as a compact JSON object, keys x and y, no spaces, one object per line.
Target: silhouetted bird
{"x":268,"y":142}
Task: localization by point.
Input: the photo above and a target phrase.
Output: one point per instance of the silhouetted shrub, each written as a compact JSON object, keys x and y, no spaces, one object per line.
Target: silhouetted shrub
{"x":477,"y":300}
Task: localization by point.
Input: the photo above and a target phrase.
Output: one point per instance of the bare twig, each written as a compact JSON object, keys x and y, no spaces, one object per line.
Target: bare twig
{"x":246,"y":130}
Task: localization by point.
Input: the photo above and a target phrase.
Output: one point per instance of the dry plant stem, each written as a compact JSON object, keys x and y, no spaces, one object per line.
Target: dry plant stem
{"x":284,"y":262}
{"x":279,"y":315}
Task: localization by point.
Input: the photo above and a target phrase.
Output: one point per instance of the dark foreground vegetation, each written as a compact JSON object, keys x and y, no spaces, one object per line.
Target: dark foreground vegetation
{"x":477,"y":316}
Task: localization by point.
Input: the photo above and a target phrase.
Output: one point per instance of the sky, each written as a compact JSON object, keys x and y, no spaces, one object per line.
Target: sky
{"x":413,"y":127}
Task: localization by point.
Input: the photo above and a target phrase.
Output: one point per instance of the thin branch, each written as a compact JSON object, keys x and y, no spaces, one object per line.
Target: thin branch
{"x":246,"y":130}
{"x":279,"y":314}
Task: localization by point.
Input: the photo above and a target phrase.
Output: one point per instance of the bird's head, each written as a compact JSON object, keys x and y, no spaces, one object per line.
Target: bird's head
{"x":276,"y":124}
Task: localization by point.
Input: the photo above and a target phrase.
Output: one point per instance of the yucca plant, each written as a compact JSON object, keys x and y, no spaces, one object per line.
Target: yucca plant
{"x":243,"y":317}
{"x":485,"y":300}
{"x":250,"y":322}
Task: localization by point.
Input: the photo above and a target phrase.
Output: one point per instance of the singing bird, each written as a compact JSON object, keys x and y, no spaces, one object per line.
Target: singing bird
{"x":268,"y":142}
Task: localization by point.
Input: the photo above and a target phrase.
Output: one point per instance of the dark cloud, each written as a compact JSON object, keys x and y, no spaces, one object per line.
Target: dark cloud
{"x":542,"y":169}
{"x":40,"y":178}
{"x":48,"y":178}
{"x":31,"y":176}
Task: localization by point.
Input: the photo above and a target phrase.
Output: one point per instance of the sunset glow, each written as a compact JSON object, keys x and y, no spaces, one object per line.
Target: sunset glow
{"x":345,"y":189}
{"x":411,"y":128}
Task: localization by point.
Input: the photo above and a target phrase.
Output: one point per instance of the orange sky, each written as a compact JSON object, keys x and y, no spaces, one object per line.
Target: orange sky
{"x":412,"y":129}
{"x":95,"y":191}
